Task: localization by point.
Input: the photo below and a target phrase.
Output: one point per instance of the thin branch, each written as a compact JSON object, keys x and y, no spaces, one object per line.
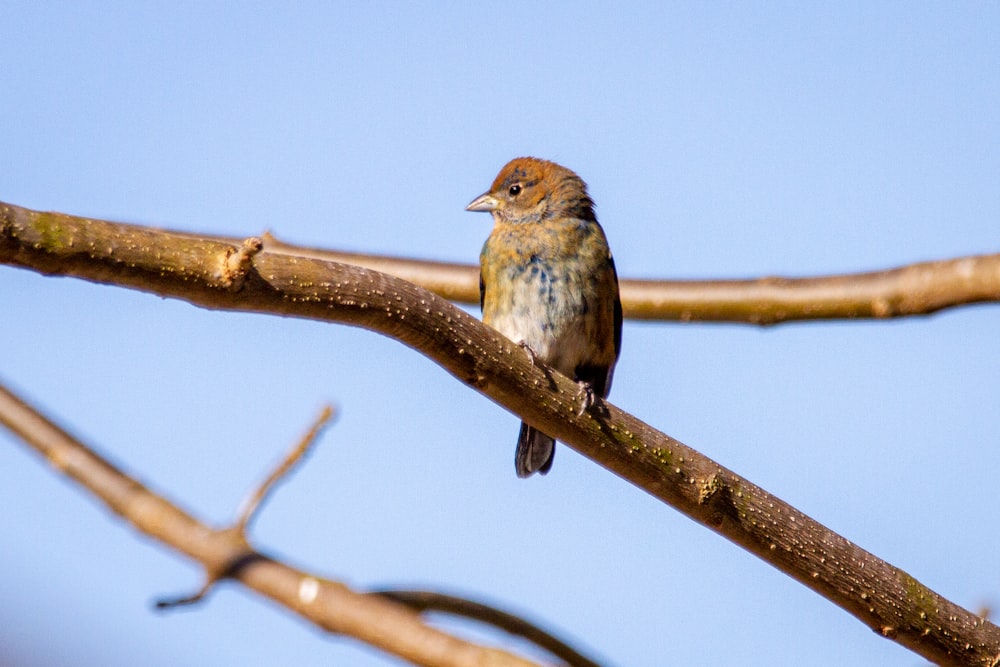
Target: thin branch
{"x":883,"y":597}
{"x":194,"y":598}
{"x":331,"y":605}
{"x":432,"y":601}
{"x":253,"y":502}
{"x":917,"y":289}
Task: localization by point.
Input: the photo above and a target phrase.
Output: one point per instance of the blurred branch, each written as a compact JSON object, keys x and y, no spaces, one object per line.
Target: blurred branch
{"x":257,"y":497}
{"x":432,"y":601}
{"x":248,"y":511}
{"x":188,"y":267}
{"x":226,"y":553}
{"x":916,"y":289}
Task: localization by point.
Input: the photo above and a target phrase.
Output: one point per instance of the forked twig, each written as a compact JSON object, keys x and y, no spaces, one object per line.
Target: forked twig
{"x":226,"y":553}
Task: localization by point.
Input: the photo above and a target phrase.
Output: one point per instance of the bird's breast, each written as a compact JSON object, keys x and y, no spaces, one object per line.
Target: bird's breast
{"x":546,"y":288}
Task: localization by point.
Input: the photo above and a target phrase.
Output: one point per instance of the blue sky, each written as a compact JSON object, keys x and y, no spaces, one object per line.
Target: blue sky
{"x":718,"y":139}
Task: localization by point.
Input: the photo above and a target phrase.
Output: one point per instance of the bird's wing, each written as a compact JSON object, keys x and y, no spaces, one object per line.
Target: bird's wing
{"x":482,"y":292}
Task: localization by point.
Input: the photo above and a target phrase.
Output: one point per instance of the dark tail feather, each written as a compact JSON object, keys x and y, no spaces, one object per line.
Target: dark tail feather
{"x":534,"y":451}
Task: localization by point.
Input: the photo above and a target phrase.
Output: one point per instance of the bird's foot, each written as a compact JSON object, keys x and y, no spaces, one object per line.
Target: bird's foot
{"x":586,"y":397}
{"x":531,"y":353}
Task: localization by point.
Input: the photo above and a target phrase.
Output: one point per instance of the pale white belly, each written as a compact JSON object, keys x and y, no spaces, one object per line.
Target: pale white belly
{"x":559,"y":335}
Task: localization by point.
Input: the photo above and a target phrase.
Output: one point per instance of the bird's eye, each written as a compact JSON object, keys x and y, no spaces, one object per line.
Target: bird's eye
{"x":515,"y":190}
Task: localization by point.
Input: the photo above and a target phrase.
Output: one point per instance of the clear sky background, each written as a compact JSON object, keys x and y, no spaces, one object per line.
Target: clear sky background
{"x":720,"y":140}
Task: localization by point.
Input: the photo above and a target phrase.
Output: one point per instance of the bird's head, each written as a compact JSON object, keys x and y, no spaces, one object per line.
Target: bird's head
{"x":528,"y":190}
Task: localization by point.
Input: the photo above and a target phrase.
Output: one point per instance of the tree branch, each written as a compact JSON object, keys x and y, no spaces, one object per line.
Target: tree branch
{"x":917,"y":289}
{"x":188,"y":267}
{"x":922,"y":288}
{"x":432,"y":601}
{"x":225,"y":553}
{"x":253,"y":503}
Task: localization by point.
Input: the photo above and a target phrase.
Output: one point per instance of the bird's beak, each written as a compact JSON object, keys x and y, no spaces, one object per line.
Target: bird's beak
{"x":484,"y":202}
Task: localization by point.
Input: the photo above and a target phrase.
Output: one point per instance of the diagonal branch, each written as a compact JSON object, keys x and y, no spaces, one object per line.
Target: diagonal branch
{"x":883,"y":597}
{"x":432,"y":601}
{"x":253,"y":503}
{"x":376,"y":620}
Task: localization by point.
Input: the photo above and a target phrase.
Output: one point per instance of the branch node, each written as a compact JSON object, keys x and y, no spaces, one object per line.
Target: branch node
{"x":709,"y":487}
{"x":242,"y":553}
{"x":238,"y":261}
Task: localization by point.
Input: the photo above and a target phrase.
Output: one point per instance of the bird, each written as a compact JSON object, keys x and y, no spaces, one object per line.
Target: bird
{"x":547,"y":281}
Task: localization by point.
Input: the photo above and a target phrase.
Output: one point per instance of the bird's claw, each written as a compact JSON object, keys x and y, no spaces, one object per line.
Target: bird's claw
{"x":586,"y":397}
{"x":531,"y":353}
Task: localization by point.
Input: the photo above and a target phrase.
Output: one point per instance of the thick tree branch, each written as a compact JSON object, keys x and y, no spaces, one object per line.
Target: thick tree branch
{"x":225,"y":553}
{"x":187,"y":267}
{"x":916,"y":289}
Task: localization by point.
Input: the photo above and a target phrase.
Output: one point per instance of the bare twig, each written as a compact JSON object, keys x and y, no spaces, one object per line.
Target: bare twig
{"x":331,"y":605}
{"x":194,"y":598}
{"x":883,"y":597}
{"x":253,"y":502}
{"x":916,"y":289}
{"x":432,"y":601}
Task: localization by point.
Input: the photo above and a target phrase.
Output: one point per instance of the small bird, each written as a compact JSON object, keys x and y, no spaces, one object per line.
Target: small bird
{"x":547,"y":281}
